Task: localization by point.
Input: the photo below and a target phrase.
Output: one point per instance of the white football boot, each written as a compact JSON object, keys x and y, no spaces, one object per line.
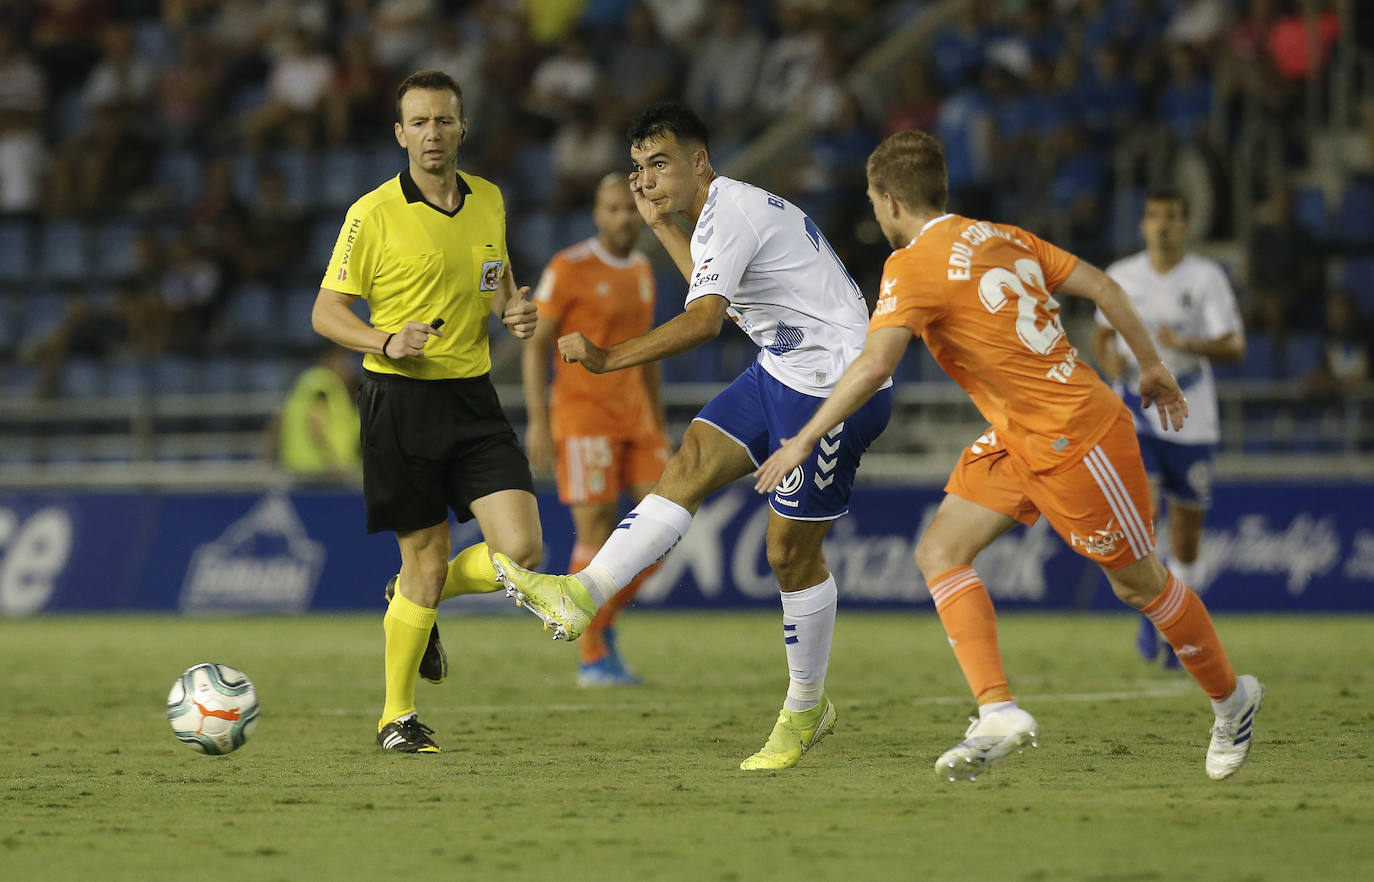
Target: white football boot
{"x":987,"y":742}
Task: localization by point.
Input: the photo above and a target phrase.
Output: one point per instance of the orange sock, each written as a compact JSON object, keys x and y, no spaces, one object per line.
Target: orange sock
{"x":1182,"y":618}
{"x":594,"y":650}
{"x":970,"y":622}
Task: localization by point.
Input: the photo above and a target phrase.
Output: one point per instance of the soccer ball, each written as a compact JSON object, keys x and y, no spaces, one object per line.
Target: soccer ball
{"x":213,"y":708}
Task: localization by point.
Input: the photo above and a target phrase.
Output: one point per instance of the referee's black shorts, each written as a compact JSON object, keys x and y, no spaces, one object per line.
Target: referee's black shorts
{"x":431,"y":445}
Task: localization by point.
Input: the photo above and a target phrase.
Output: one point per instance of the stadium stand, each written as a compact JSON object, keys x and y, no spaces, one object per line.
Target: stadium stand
{"x":206,"y":216}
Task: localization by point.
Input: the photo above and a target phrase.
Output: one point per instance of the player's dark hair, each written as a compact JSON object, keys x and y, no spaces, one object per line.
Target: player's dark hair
{"x":664,"y":117}
{"x":428,"y":79}
{"x":910,"y":166}
{"x":1167,"y":193}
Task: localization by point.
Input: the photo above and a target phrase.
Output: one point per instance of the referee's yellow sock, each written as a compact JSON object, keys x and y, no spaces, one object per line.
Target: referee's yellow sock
{"x":470,"y":572}
{"x":406,"y":626}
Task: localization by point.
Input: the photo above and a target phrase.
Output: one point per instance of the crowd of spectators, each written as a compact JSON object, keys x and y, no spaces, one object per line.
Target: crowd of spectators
{"x":160,"y":158}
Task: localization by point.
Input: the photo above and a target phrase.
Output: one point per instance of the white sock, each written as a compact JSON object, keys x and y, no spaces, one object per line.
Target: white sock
{"x":993,"y":707}
{"x":642,"y":537}
{"x":1228,"y":706}
{"x":808,"y":624}
{"x":1192,"y":574}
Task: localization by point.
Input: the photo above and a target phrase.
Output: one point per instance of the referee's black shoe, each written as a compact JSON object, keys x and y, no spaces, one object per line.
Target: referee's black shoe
{"x":434,"y":663}
{"x":407,"y":735}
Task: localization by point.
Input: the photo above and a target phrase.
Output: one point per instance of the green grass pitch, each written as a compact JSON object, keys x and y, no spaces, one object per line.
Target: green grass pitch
{"x":542,"y":780}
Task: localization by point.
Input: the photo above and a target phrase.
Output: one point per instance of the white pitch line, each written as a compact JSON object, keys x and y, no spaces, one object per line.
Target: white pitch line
{"x":660,"y":707}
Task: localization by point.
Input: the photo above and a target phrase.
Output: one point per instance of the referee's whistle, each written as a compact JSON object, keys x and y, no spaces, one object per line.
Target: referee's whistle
{"x":437,"y":324}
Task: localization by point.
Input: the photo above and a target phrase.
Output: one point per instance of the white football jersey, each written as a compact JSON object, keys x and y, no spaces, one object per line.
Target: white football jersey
{"x":785,"y":285}
{"x":1195,"y":300}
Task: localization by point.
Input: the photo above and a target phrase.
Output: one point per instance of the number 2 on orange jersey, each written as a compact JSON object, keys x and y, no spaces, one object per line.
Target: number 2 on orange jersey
{"x":992,"y":288}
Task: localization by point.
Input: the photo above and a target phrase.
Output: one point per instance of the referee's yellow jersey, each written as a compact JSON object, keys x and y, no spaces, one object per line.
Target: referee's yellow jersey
{"x":412,"y":261}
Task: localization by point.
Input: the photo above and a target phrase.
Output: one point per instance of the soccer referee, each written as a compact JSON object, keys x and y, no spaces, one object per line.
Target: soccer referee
{"x":427,"y":250}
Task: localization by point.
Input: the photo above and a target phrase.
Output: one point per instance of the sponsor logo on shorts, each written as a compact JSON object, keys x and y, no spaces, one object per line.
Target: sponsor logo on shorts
{"x":1100,"y":542}
{"x":491,"y":275}
{"x":790,"y":484}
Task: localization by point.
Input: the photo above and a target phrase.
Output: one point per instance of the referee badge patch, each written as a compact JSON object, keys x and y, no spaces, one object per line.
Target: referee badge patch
{"x":491,"y":275}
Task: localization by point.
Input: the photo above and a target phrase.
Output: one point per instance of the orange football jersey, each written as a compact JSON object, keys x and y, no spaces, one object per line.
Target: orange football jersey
{"x":586,"y":289}
{"x":979,"y":294}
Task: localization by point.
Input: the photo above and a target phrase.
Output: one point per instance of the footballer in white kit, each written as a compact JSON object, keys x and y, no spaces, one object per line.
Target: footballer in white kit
{"x":789,"y":292}
{"x":759,"y":261}
{"x":1187,"y":304}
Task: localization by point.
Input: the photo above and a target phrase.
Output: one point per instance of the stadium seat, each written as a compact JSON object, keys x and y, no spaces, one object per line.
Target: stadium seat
{"x":128,"y":378}
{"x":1301,"y":355}
{"x":1355,"y":220}
{"x":1310,"y":209}
{"x":1260,"y":363}
{"x":344,"y":178}
{"x":267,"y":375}
{"x":83,"y":378}
{"x":16,"y":246}
{"x":179,"y":175}
{"x":220,"y":375}
{"x":323,"y":234}
{"x":63,"y":253}
{"x":43,"y":311}
{"x":296,"y":327}
{"x":173,"y":375}
{"x":299,"y":172}
{"x":115,"y":248}
{"x":253,"y":317}
{"x":1357,"y":280}
{"x":9,"y":323}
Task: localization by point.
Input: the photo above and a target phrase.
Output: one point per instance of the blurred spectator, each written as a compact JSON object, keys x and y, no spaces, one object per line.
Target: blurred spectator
{"x":720,"y":84}
{"x":359,"y":100}
{"x":584,"y":150}
{"x":642,"y":69}
{"x":569,"y":77}
{"x":399,"y":27}
{"x":789,"y":63}
{"x":192,"y":289}
{"x":1107,"y":98}
{"x":103,"y":167}
{"x":916,"y":107}
{"x":958,"y":48}
{"x":1185,"y":104}
{"x":1346,"y":349}
{"x":190,"y":88}
{"x":274,"y":234}
{"x":454,"y":50}
{"x":1285,"y":268}
{"x":121,"y":79}
{"x":1197,"y":24}
{"x":965,"y":128}
{"x":315,"y":438}
{"x":1292,"y":41}
{"x":679,"y":21}
{"x":296,"y":88}
{"x":66,"y":38}
{"x":217,"y":219}
{"x":22,"y":152}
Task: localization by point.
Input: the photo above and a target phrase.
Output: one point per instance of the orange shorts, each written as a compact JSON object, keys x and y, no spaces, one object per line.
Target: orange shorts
{"x":597,"y":468}
{"x":1100,"y":505}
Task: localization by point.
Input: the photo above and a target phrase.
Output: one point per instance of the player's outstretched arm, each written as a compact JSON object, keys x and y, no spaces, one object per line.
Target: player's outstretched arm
{"x":865,"y":376}
{"x":700,"y":322}
{"x":1157,"y":384}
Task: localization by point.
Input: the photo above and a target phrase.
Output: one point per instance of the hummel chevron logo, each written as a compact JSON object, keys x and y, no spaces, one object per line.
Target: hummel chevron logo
{"x":831,"y":447}
{"x":835,"y":431}
{"x":822,"y":483}
{"x":827,"y":465}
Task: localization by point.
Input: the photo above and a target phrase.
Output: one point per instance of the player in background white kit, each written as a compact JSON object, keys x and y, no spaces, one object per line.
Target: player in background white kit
{"x":759,"y":260}
{"x":1188,"y":305}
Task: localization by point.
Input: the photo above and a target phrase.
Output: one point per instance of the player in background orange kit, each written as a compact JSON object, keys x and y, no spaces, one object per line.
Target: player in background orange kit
{"x":604,"y":430}
{"x":1061,"y":444}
